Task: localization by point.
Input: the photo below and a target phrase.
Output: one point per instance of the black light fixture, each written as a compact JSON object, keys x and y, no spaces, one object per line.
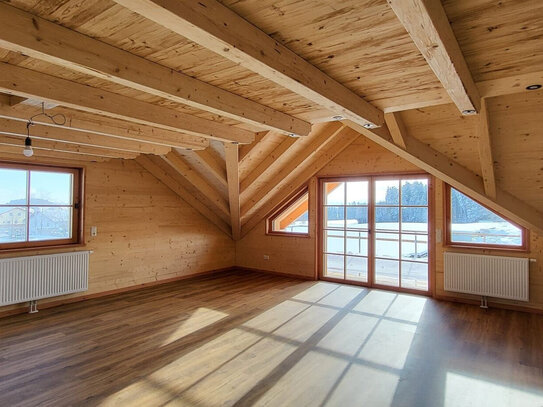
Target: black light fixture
{"x":28,"y":152}
{"x":535,"y":86}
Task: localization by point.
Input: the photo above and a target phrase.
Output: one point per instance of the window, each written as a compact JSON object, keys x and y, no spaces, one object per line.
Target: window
{"x":292,"y":217}
{"x":39,"y":206}
{"x":471,"y":224}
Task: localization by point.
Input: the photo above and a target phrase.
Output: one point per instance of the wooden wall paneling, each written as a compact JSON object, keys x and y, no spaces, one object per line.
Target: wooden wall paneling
{"x":150,"y":165}
{"x":105,"y":126}
{"x":485,"y":151}
{"x":459,"y":177}
{"x":178,"y":164}
{"x":39,"y":38}
{"x":214,"y":26}
{"x":232,"y":173}
{"x":428,"y":25}
{"x":28,"y":83}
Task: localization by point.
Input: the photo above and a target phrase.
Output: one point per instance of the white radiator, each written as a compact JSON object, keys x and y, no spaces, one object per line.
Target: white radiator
{"x":489,"y":276}
{"x":32,"y":278}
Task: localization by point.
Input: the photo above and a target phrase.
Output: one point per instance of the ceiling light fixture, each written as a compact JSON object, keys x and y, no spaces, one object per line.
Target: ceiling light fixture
{"x":338,"y":117}
{"x":535,"y":86}
{"x":469,"y":112}
{"x":293,"y":135}
{"x":369,"y":125}
{"x":58,"y":119}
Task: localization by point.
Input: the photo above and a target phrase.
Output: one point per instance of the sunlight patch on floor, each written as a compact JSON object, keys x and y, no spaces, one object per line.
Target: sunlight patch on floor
{"x":307,"y":383}
{"x":389,"y":344}
{"x":376,"y":302}
{"x":465,"y":391}
{"x":316,"y":292}
{"x":342,"y":296}
{"x":199,"y":319}
{"x":276,"y":316}
{"x":407,"y":307}
{"x":353,"y":390}
{"x":359,"y":328}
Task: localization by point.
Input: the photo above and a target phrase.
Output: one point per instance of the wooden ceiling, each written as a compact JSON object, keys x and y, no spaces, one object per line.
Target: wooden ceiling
{"x":131,"y":87}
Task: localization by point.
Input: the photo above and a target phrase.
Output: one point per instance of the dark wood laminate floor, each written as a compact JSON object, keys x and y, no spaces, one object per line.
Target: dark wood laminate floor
{"x":252,"y":339}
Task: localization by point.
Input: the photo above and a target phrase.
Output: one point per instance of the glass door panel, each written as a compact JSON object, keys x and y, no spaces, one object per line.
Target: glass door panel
{"x":375,"y":231}
{"x":346,"y":230}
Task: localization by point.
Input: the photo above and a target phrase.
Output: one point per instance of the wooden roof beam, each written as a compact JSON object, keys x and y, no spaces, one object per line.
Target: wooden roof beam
{"x":28,"y":83}
{"x":31,"y":35}
{"x":232,"y":173}
{"x":149,"y":163}
{"x":175,"y":161}
{"x":62,"y":147}
{"x":82,"y":122}
{"x":208,"y":161}
{"x":245,"y":150}
{"x":429,"y":28}
{"x":15,"y":153}
{"x":467,"y":182}
{"x":67,"y":135}
{"x":216,"y":27}
{"x":485,"y":151}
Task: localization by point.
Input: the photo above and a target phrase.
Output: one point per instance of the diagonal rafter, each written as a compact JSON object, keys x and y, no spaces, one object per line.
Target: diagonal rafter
{"x":175,"y":161}
{"x":294,"y":180}
{"x":321,"y":140}
{"x":467,"y":182}
{"x":216,"y":27}
{"x":485,"y":151}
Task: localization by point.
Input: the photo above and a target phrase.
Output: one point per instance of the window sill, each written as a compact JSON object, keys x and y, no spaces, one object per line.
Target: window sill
{"x":303,"y":235}
{"x":506,"y":249}
{"x":69,"y":247}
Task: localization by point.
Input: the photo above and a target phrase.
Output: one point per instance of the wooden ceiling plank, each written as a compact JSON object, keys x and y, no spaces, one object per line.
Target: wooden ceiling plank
{"x":232,"y":173}
{"x":396,"y":127}
{"x":217,"y":28}
{"x":176,"y":161}
{"x":105,"y":126}
{"x":36,"y":37}
{"x":66,"y":135}
{"x":296,"y":179}
{"x":429,"y":28}
{"x":151,"y":166}
{"x":467,"y":182}
{"x":61,"y":147}
{"x":327,"y":134}
{"x":31,"y":84}
{"x":485,"y":151}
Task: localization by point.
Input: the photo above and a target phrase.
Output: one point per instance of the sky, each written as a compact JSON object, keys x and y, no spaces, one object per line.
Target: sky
{"x":50,"y":186}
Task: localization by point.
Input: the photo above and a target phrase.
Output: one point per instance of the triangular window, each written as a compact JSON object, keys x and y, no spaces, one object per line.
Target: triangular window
{"x":291,"y":218}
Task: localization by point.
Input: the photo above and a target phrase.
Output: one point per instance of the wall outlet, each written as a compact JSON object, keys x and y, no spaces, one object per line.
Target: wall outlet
{"x":94,"y":231}
{"x":266,"y":257}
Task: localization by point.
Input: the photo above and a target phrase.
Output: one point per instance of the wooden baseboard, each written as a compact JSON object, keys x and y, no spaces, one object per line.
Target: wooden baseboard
{"x":51,"y":304}
{"x":491,"y":304}
{"x":277,"y":273}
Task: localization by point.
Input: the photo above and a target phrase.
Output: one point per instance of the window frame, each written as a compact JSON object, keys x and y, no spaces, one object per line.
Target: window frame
{"x":77,"y":238}
{"x":478,"y":246}
{"x":284,"y":205}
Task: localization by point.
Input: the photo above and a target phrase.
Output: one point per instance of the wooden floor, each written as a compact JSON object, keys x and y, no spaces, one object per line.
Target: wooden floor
{"x":251,"y":339}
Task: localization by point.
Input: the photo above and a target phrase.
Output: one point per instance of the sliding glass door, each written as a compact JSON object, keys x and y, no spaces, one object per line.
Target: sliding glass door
{"x":375,"y":231}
